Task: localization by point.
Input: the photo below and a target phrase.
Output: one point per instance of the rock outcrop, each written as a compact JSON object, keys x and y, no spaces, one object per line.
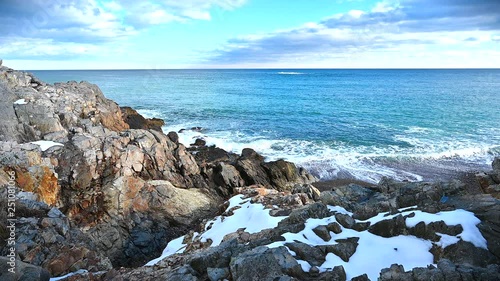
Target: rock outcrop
{"x":137,"y":121}
{"x":248,"y":256}
{"x":124,"y":188}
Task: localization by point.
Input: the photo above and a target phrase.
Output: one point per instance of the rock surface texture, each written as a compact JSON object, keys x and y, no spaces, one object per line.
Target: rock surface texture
{"x":123,"y":188}
{"x":106,"y":190}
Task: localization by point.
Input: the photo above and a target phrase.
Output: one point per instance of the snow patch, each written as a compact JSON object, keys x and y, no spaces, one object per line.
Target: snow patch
{"x":21,"y":101}
{"x":78,"y":272}
{"x":251,"y":217}
{"x":373,"y":252}
{"x":173,"y":247}
{"x":44,"y":145}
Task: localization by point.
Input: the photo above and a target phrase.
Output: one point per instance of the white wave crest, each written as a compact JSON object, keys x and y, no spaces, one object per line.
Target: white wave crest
{"x":290,"y":73}
{"x":342,"y":160}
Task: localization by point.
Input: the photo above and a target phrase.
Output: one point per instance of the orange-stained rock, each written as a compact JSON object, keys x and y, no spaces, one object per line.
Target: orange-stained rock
{"x":114,"y":121}
{"x":41,"y":181}
{"x":133,"y":185}
{"x":49,"y":189}
{"x":140,"y":204}
{"x":25,"y":180}
{"x":64,"y":261}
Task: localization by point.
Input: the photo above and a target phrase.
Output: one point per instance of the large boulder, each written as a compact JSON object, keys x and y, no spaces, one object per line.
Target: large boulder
{"x":266,"y":264}
{"x":137,"y":121}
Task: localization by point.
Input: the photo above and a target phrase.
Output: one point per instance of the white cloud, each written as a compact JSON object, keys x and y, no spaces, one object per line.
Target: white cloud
{"x":387,"y":34}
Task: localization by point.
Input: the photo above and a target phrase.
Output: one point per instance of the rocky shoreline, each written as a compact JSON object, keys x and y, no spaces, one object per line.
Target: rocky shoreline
{"x":106,"y":190}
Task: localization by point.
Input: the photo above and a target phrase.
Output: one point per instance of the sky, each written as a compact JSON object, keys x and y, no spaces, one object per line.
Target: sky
{"x":163,"y":34}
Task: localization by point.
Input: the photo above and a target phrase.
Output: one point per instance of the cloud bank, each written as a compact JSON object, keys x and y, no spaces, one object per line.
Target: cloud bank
{"x":389,"y":27}
{"x":40,"y":28}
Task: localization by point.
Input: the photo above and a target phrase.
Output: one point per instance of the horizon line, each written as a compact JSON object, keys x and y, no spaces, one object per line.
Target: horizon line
{"x":293,"y":68}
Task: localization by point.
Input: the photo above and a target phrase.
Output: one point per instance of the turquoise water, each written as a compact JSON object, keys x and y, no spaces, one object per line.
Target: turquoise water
{"x":365,"y":124}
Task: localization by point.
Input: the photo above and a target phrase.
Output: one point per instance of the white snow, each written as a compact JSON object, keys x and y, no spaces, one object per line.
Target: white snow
{"x":252,"y":217}
{"x":464,"y":218}
{"x":339,"y":209}
{"x":21,"y":101}
{"x":81,"y":271}
{"x":173,"y":247}
{"x":446,"y":240}
{"x":44,"y":145}
{"x":373,"y":252}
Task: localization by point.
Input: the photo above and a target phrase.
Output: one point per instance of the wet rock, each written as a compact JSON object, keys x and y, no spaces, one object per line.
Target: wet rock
{"x":281,"y":173}
{"x":250,"y":154}
{"x":173,"y":137}
{"x":227,"y":175}
{"x":199,"y":142}
{"x":252,"y":172}
{"x":137,"y":121}
{"x":212,"y":155}
{"x":496,"y":165}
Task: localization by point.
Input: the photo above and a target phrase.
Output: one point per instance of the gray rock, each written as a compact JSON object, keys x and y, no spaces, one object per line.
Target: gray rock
{"x":345,"y":220}
{"x":216,"y":257}
{"x":311,"y":254}
{"x":496,"y":165}
{"x":23,"y":271}
{"x":216,"y":274}
{"x":183,"y":273}
{"x":295,"y":221}
{"x":466,"y":253}
{"x":334,"y":227}
{"x":173,"y":137}
{"x":362,"y":277}
{"x":311,"y":191}
{"x":262,"y":263}
{"x":344,"y":249}
{"x":227,"y":175}
{"x":55,"y":213}
{"x":323,"y":232}
{"x":389,"y":228}
{"x":395,"y":273}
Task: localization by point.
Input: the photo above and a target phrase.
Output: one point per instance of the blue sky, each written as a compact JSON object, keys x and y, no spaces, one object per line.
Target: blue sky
{"x":155,"y":34}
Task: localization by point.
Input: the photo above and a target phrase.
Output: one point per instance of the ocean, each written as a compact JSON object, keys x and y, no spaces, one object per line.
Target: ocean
{"x":339,"y":124}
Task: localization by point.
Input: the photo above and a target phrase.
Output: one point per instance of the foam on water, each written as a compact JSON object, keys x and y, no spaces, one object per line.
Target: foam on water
{"x":290,"y":73}
{"x":342,"y":160}
{"x":362,"y":124}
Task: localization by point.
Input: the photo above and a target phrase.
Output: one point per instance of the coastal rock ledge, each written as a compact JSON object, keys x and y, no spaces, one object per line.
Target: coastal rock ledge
{"x":100,"y":191}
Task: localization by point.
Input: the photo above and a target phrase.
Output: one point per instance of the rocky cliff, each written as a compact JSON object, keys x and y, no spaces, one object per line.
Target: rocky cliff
{"x":99,"y":188}
{"x":120,"y":194}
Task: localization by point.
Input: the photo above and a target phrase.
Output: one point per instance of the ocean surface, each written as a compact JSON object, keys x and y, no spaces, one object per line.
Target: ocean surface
{"x":363,"y":124}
